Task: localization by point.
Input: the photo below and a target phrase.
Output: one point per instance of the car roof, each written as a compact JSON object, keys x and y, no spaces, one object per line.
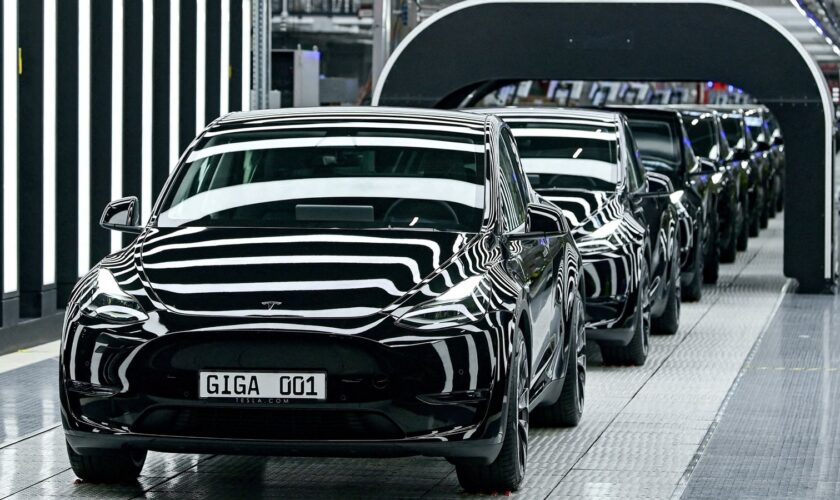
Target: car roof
{"x":660,"y":109}
{"x":357,"y":113}
{"x":509,"y":112}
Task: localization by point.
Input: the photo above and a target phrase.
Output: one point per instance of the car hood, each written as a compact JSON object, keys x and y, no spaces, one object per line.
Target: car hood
{"x":585,"y":208}
{"x":255,"y":272}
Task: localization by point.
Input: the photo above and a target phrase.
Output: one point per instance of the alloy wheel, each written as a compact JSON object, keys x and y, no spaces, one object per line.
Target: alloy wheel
{"x":523,"y":402}
{"x":646,"y":318}
{"x":581,"y":355}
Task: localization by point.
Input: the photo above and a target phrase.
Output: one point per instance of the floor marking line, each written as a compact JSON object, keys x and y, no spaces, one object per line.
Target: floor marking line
{"x":630,"y":399}
{"x":29,"y":356}
{"x":167,"y":479}
{"x":37,"y":483}
{"x":42,"y":430}
{"x":692,"y":465}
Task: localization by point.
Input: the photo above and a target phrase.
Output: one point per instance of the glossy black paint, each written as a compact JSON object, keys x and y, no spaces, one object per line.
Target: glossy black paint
{"x":732,"y":183}
{"x":274,"y":299}
{"x":640,"y":223}
{"x":753,"y":160}
{"x":699,"y":191}
{"x":770,"y":143}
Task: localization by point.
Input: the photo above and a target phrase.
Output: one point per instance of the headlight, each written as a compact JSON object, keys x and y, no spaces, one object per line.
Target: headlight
{"x":109,"y":302}
{"x":462,"y":304}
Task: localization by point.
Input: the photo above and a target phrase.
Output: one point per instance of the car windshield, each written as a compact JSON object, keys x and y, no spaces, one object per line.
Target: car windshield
{"x":658,"y":144}
{"x":701,"y":133}
{"x":568,"y":155}
{"x":755,"y":126}
{"x":332,"y":178}
{"x":732,"y":129}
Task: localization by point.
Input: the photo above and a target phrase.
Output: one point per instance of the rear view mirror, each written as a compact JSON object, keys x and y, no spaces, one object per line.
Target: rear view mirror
{"x":122,"y":215}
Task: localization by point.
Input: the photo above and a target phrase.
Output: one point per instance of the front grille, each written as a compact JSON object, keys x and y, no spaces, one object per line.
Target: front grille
{"x":269,"y":424}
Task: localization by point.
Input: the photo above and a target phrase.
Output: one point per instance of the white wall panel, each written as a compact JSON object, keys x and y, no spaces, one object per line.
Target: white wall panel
{"x":174,"y":80}
{"x":246,"y":55}
{"x":200,"y":62}
{"x":10,"y":146}
{"x":48,"y":200}
{"x":224,"y":56}
{"x":84,"y":135}
{"x":117,"y":112}
{"x":147,"y":197}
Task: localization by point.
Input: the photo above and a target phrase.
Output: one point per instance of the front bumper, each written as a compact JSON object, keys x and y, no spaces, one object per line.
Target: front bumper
{"x":474,"y":450}
{"x":131,"y":389}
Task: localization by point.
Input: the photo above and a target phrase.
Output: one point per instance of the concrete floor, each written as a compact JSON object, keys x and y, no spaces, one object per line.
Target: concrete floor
{"x":660,"y":431}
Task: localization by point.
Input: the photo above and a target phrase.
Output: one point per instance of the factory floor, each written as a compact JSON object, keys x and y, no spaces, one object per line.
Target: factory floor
{"x":741,"y":403}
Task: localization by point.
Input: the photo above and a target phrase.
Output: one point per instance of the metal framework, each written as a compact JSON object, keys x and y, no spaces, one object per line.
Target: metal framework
{"x":439,"y":64}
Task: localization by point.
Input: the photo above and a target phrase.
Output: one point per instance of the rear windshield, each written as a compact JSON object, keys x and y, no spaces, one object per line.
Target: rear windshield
{"x":658,"y":144}
{"x":568,"y":155}
{"x":701,"y":133}
{"x":755,"y":126}
{"x":332,"y":178}
{"x":732,"y":129}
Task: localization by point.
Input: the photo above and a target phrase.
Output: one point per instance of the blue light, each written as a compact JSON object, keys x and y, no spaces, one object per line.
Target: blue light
{"x":710,"y":84}
{"x":730,"y":88}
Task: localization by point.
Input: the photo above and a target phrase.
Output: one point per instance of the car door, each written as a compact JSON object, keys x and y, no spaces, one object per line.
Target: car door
{"x":529,"y":257}
{"x":699,"y":185}
{"x":648,"y":209}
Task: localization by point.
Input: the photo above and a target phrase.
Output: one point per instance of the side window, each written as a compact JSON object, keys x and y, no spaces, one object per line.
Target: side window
{"x":635,"y":171}
{"x":722,"y":142}
{"x":690,"y":158}
{"x":521,"y":176}
{"x":513,"y":205}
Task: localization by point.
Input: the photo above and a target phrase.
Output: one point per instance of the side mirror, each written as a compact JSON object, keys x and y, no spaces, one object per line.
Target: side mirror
{"x":706,"y":167}
{"x":658,"y":184}
{"x":763,"y":146}
{"x":778,"y":141}
{"x":122,"y":215}
{"x":542,"y":222}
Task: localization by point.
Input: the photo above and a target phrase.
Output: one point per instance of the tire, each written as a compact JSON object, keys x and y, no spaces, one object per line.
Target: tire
{"x":568,"y":409}
{"x":764,"y":220}
{"x":729,"y":252}
{"x":693,"y":292}
{"x":755,"y":226}
{"x":635,"y":353}
{"x":743,"y":234}
{"x":669,"y":322}
{"x":711,"y":266}
{"x":780,"y":202}
{"x":505,"y":473}
{"x":107,"y":466}
{"x":755,"y":220}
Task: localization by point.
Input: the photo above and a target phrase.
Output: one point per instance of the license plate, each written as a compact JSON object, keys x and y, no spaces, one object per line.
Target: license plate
{"x":285,"y":385}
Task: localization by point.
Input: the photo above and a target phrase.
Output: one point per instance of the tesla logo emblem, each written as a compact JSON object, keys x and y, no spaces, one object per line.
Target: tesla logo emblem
{"x":271,"y":304}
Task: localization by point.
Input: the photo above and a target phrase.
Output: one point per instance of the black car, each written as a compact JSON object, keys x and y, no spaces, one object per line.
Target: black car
{"x":666,"y":149}
{"x":709,"y":144}
{"x":753,"y":161}
{"x":768,"y":143}
{"x":324,"y":282}
{"x":624,"y":222}
{"x":777,"y":149}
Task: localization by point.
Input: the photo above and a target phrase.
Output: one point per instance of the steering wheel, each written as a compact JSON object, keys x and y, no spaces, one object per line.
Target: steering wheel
{"x":446,"y":207}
